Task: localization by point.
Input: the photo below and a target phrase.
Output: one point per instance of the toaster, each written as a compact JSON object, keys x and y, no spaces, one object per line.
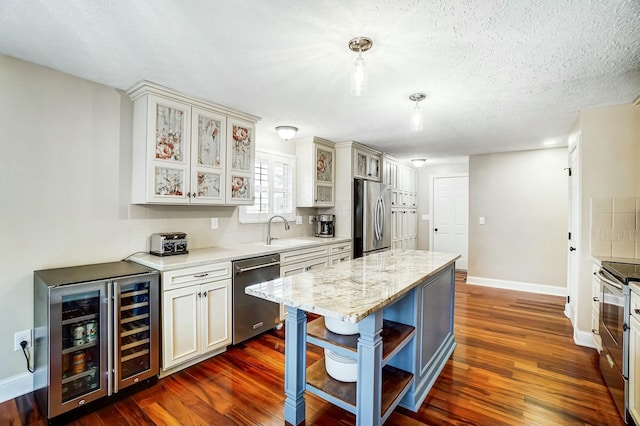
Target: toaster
{"x":168,"y":243}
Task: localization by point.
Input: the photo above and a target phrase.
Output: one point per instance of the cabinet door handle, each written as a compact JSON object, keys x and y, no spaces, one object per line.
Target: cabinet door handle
{"x":205,"y":294}
{"x":595,"y":299}
{"x":199,"y":294}
{"x":201,"y":275}
{"x":637,"y":311}
{"x":594,"y":331}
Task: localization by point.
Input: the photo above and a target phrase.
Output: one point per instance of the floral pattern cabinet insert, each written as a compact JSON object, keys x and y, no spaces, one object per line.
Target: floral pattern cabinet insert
{"x":240,"y":158}
{"x":315,"y":172}
{"x":186,"y":151}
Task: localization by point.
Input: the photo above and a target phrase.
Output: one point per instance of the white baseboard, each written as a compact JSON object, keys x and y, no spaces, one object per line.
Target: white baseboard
{"x":518,"y":286}
{"x":14,"y":386}
{"x":583,"y":338}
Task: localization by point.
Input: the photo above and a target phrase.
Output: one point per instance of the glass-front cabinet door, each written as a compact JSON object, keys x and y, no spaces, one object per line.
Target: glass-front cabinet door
{"x":170,"y":151}
{"x":324,"y":165}
{"x":78,"y":345}
{"x":240,"y":161}
{"x":208,"y":131}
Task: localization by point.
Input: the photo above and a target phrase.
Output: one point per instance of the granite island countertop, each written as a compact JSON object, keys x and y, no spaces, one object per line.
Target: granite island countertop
{"x":352,"y":290}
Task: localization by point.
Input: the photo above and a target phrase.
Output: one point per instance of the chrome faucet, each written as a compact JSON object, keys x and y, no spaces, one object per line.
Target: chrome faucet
{"x":286,"y":227}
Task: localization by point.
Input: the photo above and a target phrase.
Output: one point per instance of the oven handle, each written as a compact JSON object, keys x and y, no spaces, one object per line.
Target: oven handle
{"x":608,"y":281}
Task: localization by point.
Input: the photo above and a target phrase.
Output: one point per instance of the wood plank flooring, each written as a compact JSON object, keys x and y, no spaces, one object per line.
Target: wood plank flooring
{"x":515,"y":364}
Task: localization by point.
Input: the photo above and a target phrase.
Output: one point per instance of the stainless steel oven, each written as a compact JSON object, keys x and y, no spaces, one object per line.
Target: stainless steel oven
{"x":614,"y":331}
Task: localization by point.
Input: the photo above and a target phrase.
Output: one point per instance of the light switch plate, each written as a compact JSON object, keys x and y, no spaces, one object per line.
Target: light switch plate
{"x":214,"y":223}
{"x":424,"y":217}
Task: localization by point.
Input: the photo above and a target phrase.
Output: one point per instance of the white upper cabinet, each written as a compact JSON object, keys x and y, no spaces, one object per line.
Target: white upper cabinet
{"x":315,"y":172}
{"x":367,"y":163}
{"x":187,"y":151}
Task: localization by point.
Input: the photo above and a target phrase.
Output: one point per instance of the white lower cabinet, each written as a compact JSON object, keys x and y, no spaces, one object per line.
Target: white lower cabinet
{"x":196,"y":313}
{"x":304,"y":260}
{"x":634,"y":359}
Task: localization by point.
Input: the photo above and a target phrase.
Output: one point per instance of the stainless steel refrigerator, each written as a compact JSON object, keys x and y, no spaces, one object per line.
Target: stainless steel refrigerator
{"x":371,"y":218}
{"x":96,"y":332}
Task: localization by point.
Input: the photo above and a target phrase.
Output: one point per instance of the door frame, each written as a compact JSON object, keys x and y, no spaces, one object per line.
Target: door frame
{"x":571,"y":304}
{"x":432,"y":178}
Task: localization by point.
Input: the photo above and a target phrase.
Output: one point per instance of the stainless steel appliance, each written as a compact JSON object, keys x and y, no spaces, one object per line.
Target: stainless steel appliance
{"x":372,"y":211}
{"x":615,"y":302}
{"x":168,"y":243}
{"x":96,"y":332}
{"x":252,"y":315}
{"x":324,"y":225}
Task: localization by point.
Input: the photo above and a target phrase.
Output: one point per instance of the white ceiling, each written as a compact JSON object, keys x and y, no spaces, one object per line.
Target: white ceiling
{"x":499,"y":75}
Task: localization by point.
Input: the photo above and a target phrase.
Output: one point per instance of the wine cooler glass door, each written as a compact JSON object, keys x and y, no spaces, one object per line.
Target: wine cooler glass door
{"x":136,"y":329}
{"x":78,"y":344}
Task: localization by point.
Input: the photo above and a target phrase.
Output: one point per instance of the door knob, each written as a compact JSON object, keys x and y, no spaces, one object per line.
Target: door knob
{"x":572,"y":249}
{"x":435,"y":229}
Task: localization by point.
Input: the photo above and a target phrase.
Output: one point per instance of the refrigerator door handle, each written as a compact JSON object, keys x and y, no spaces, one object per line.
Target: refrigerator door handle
{"x":382,"y":210}
{"x":111,"y":288}
{"x":376,"y":219}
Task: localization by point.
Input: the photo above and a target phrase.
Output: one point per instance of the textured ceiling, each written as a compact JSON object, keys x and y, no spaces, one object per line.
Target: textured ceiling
{"x":499,"y":75}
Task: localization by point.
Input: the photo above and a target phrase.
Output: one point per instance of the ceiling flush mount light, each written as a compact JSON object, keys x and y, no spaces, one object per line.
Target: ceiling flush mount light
{"x":358,"y":80}
{"x":418,"y":162}
{"x":417,"y":121}
{"x":286,"y":132}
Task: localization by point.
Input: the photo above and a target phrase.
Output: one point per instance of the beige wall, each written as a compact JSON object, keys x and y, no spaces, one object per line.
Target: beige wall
{"x":609,"y":143}
{"x":425,"y":173}
{"x":65,"y":170}
{"x":523,"y":197}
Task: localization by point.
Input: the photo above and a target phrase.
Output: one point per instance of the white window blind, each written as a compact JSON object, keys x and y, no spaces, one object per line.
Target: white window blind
{"x":274,"y":188}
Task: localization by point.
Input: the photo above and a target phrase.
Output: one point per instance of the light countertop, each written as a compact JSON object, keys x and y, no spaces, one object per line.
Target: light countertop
{"x":209,"y":255}
{"x":352,"y":290}
{"x":600,"y":259}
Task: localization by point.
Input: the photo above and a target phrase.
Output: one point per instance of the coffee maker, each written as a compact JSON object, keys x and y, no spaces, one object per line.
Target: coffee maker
{"x":324,"y":225}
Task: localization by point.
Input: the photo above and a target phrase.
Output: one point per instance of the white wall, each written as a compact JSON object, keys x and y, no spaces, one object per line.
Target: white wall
{"x":65,"y":171}
{"x":524,"y":199}
{"x":609,"y":157}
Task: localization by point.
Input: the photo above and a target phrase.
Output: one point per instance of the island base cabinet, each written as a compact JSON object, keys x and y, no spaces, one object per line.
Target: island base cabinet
{"x":634,"y":359}
{"x":402,"y":373}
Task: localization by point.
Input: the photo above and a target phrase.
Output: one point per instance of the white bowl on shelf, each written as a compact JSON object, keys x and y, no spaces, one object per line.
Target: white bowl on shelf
{"x":340,"y":327}
{"x":340,"y":367}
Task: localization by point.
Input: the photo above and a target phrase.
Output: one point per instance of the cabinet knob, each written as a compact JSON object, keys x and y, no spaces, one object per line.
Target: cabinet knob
{"x":199,"y":294}
{"x":595,"y":299}
{"x":188,"y":195}
{"x":594,"y":331}
{"x":572,"y":249}
{"x":637,"y":311}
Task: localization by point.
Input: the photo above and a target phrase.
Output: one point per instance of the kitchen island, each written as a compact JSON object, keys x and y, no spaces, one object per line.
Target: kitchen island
{"x":402,"y":302}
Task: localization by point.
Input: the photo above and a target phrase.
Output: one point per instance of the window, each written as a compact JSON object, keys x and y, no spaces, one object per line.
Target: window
{"x":274,"y":188}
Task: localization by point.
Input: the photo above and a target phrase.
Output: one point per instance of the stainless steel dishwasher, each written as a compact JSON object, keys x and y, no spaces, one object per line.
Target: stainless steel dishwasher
{"x":252,"y":315}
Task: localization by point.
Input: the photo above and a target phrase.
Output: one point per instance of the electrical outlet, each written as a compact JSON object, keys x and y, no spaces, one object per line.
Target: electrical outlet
{"x":214,"y":223}
{"x":19,"y":337}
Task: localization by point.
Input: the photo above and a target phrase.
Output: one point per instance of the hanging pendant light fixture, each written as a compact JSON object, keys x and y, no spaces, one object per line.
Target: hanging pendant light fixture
{"x":417,"y":120}
{"x":286,"y":132}
{"x":358,"y":80}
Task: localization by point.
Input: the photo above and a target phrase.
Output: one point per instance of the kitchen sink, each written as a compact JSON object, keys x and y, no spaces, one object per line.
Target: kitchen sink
{"x":286,"y":242}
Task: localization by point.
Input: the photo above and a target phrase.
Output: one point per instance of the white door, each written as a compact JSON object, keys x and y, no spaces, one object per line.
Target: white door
{"x":574,"y":224}
{"x":450,"y":230}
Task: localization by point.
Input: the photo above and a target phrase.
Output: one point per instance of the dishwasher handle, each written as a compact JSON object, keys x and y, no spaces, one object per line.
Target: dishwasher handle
{"x":251,"y":268}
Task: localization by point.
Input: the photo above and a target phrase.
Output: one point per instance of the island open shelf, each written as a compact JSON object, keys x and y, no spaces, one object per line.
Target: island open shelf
{"x":395,"y":384}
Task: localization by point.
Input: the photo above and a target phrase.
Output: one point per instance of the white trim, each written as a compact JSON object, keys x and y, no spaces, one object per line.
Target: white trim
{"x":15,"y":386}
{"x":583,"y":338}
{"x":518,"y":286}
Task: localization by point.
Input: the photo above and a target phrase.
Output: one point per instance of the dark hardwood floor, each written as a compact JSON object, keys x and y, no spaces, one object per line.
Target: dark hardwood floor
{"x":515,"y":364}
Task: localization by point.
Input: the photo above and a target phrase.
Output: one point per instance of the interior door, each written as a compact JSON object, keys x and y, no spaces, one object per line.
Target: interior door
{"x":450,"y":231}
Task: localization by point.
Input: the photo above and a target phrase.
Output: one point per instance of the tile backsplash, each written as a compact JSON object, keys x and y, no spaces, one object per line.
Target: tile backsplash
{"x":615,"y":226}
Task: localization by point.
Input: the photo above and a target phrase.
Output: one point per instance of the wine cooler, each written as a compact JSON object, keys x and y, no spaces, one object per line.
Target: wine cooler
{"x":96,"y":332}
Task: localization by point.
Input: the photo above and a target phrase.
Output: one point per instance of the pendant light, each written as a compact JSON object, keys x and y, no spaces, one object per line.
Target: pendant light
{"x":286,"y":132}
{"x":417,"y":120}
{"x":358,"y":80}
